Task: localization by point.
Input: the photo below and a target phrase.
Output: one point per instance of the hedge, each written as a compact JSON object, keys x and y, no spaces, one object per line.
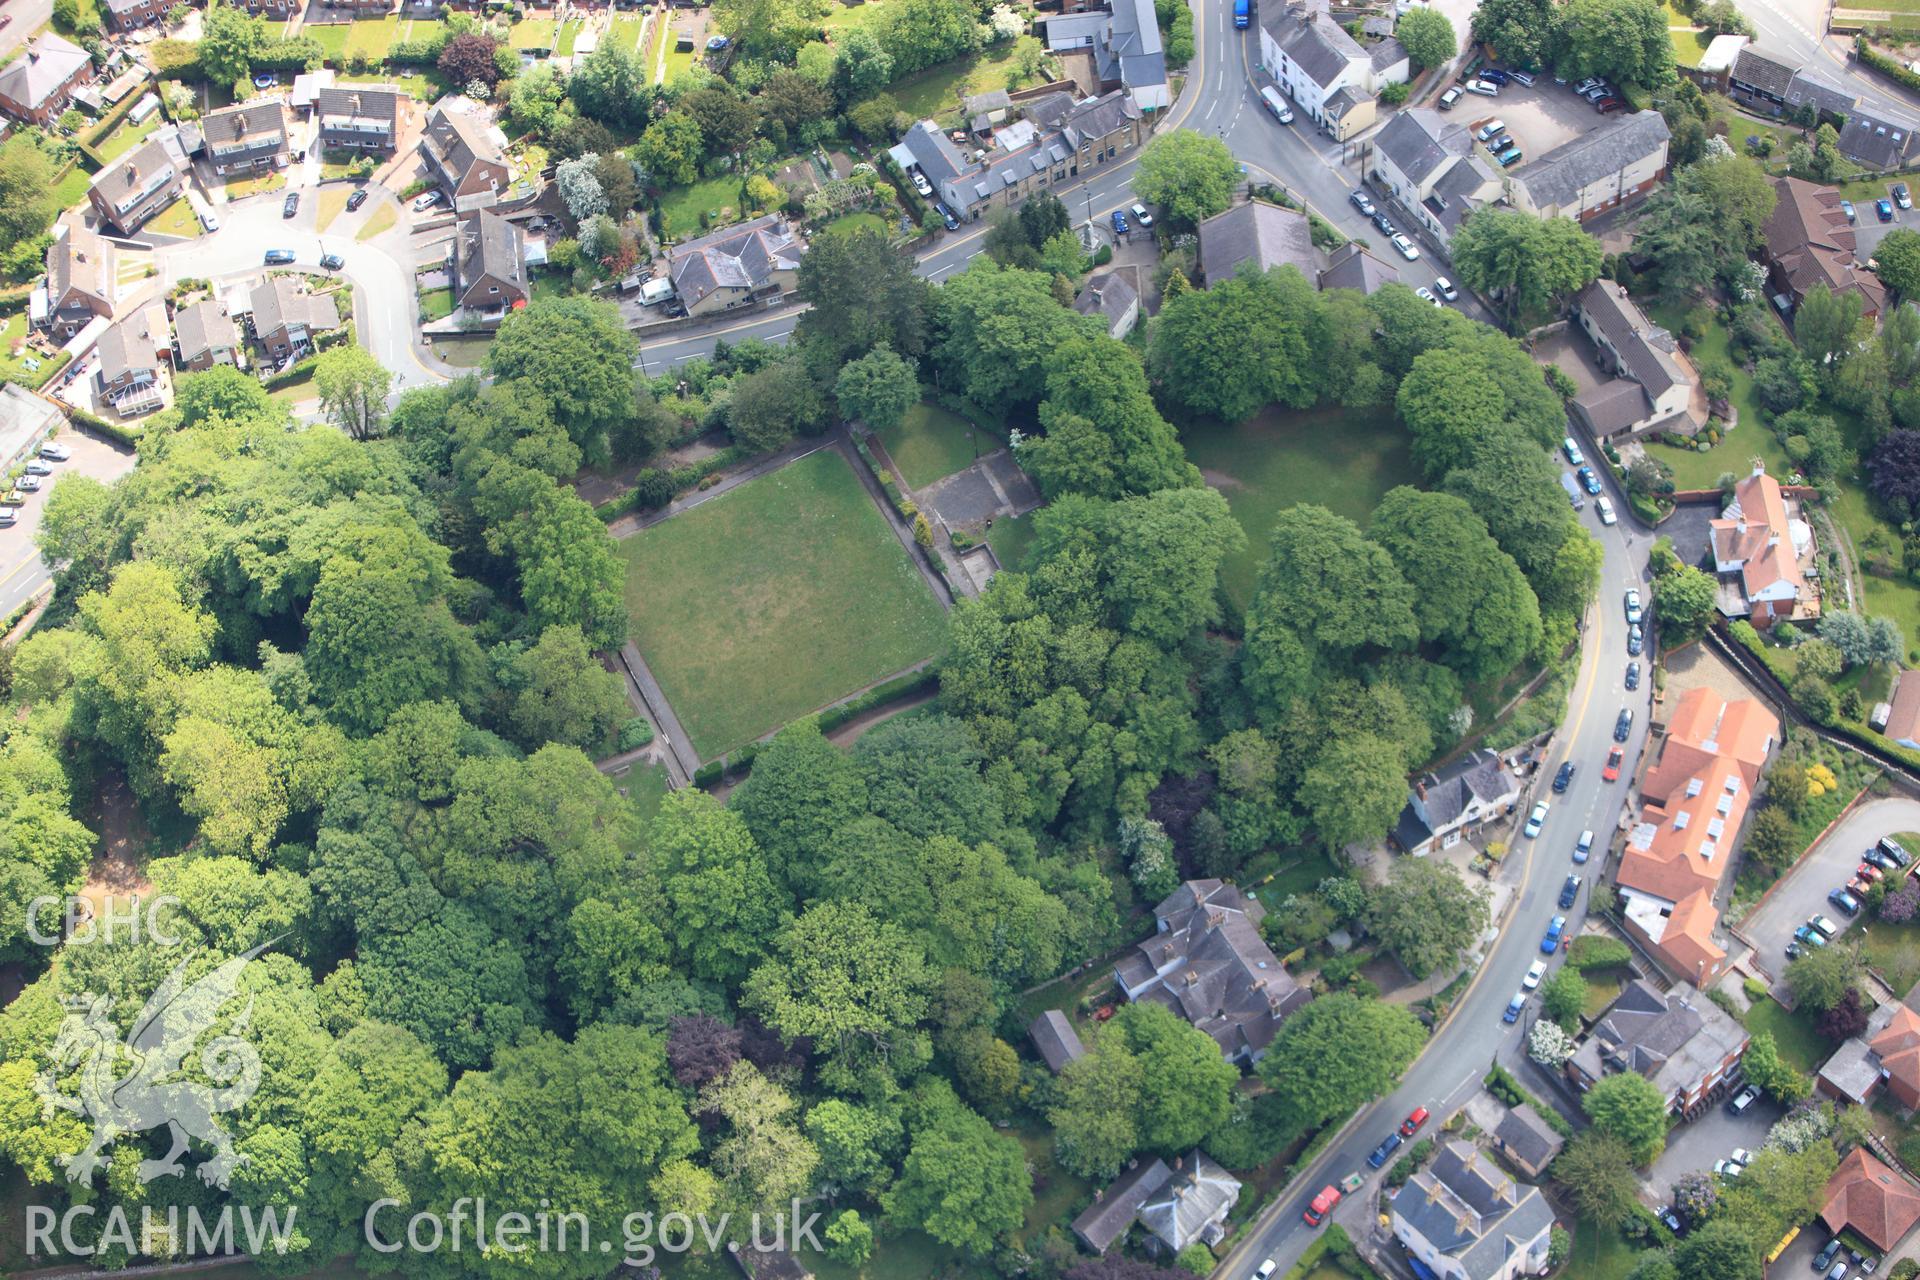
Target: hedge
{"x":176,"y":59}
{"x":1590,"y":951}
{"x":112,"y":430}
{"x":739,"y":762}
{"x":1501,"y":1084}
{"x":680,"y":479}
{"x":1889,"y":67}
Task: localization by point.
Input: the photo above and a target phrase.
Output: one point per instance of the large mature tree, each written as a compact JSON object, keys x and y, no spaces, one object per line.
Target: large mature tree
{"x":1341,"y":591}
{"x":1630,"y":1107}
{"x":861,"y":293}
{"x":229,"y":39}
{"x":1597,"y":1171}
{"x":1437,"y":537}
{"x":1562,"y":997}
{"x":855,"y":985}
{"x":1827,"y":326}
{"x":721,"y":906}
{"x":353,"y":388}
{"x":1428,"y":37}
{"x":467,"y":58}
{"x":1354,"y":787}
{"x":1244,"y":343}
{"x":609,"y":85}
{"x":1189,"y":175}
{"x":1104,"y":434}
{"x":1524,"y":33}
{"x":1336,"y":1053}
{"x":775,"y":403}
{"x":670,"y":149}
{"x":961,"y":1183}
{"x":1779,"y":1191}
{"x":579,"y":355}
{"x":1623,"y":39}
{"x":1531,"y":263}
{"x":27,"y":202}
{"x":1898,"y":254}
{"x":997,"y":326}
{"x":1721,"y":1250}
{"x":563,"y":694}
{"x":1427,"y":915}
{"x":802,"y":791}
{"x":1821,"y":976}
{"x":1093,"y":1118}
{"x":1686,"y":601}
{"x":766,"y":27}
{"x":1185,"y":1085}
{"x":1894,"y":471}
{"x":878,"y":388}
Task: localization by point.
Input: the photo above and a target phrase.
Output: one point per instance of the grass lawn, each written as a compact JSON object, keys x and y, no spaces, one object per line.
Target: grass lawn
{"x":370,"y":38}
{"x":463,"y":352}
{"x":331,"y":37}
{"x":332,"y":203}
{"x":646,"y":786}
{"x":931,"y":444}
{"x":533,"y":33}
{"x":177,"y":219}
{"x":1694,"y":470}
{"x":938,"y":90}
{"x":241,"y":188}
{"x":680,"y":208}
{"x":72,"y":187}
{"x":551,"y":284}
{"x":1603,"y":988}
{"x":12,"y":330}
{"x":422,"y":86}
{"x":379,"y":220}
{"x":1894,"y":949}
{"x":563,"y":42}
{"x":851,"y":15}
{"x":1801,"y":1047}
{"x":1599,"y":1253}
{"x":128,"y":136}
{"x":1342,"y":459}
{"x":625,"y":32}
{"x":293,"y":392}
{"x":847,"y":223}
{"x":436,"y":304}
{"x":774,"y":599}
{"x":679,"y":61}
{"x":1010,"y":538}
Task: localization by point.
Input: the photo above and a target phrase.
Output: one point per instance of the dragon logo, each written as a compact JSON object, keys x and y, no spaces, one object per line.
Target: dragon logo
{"x":150,"y":1095}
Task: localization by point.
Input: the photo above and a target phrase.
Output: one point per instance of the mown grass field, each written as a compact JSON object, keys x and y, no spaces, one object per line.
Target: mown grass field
{"x":930,"y":444}
{"x":773,"y":599}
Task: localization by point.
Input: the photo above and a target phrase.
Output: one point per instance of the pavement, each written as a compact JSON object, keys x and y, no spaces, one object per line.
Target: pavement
{"x":1803,"y":890}
{"x":22,"y":570}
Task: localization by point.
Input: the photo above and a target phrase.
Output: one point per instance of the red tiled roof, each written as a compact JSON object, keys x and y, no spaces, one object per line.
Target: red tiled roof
{"x":1872,"y":1199}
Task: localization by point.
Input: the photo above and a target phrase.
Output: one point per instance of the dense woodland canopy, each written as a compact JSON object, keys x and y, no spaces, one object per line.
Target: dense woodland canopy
{"x":351,"y":684}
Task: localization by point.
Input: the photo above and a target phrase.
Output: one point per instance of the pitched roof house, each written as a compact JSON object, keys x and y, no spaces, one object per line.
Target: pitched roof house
{"x":490,"y":262}
{"x":1446,"y":805}
{"x":1864,"y":1195}
{"x":1429,"y":161}
{"x":1056,"y":1040}
{"x":1351,"y":267}
{"x":135,"y":187}
{"x":25,"y":420}
{"x":1764,"y":552}
{"x":1463,"y":1219}
{"x":1808,"y":242}
{"x":37,"y":85}
{"x":130,"y":361}
{"x":465,"y":154}
{"x":1599,"y":170}
{"x":1694,"y":800}
{"x":1259,"y":233}
{"x":359,"y":117}
{"x":1208,"y":963}
{"x":1886,"y":1054}
{"x":286,"y":320}
{"x":1124,"y":44}
{"x":1757,"y":74}
{"x":1330,"y":76}
{"x":1684,"y":1043}
{"x":1877,"y":142}
{"x":1527,"y":1140}
{"x":206,"y":335}
{"x":732,"y":267}
{"x":247,"y":136}
{"x":1640,"y":354}
{"x":80,"y":281}
{"x":1190,"y":1207}
{"x":1114,"y":297}
{"x":1113,"y":1210}
{"x":1827,"y":99}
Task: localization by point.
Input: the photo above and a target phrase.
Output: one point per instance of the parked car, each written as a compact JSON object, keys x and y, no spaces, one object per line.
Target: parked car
{"x":1585,"y":85}
{"x":1491,"y":129}
{"x":1119,"y":222}
{"x":716,"y":43}
{"x":37,"y":467}
{"x":1141,"y":216}
{"x":1384,"y":224}
{"x":426,"y":200}
{"x":1514,"y":1006}
{"x":1572,"y":450}
{"x":1670,"y":1218}
{"x":1405,"y":247}
{"x":1846,"y":207}
{"x":1884,"y":209}
{"x":1562,"y":778}
{"x":357,"y":199}
{"x":1741,"y":1156}
{"x":1583,"y":847}
{"x":1793,"y":951}
{"x":1359,"y":201}
{"x":1822,"y":925}
{"x":1321,"y":1205}
{"x":1484,"y":88}
{"x":279,"y":257}
{"x":1568,"y":893}
{"x":1550,"y":943}
{"x":1879,"y":859}
{"x":29,"y":483}
{"x":1449,"y":98}
{"x":1426,"y":295}
{"x":1501,"y":143}
{"x":946,"y":216}
{"x":1845,"y":901}
{"x":1509,"y":157}
{"x":1895,"y":850}
{"x":54,"y":451}
{"x":1744,"y":1099}
{"x":1522,"y":77}
{"x":333,"y":262}
{"x":1493,"y":75}
{"x":291,"y":205}
{"x":1605,"y":507}
{"x":1612,"y":772}
{"x":1536,"y":819}
{"x":1901,"y":196}
{"x":1444,"y":287}
{"x":1384,"y":1152}
{"x":1809,"y":936}
{"x":209,"y":220}
{"x":1607,"y":106}
{"x":921,"y":184}
{"x":1870,"y":873}
{"x":1633,"y":675}
{"x":1636,"y":640}
{"x":1415,"y":1118}
{"x":1633,"y":604}
{"x":1277,"y":104}
{"x":1727,"y":1168}
{"x":1590,"y":480}
{"x":1535,"y":971}
{"x":1824,"y":1258}
{"x":1623,"y":724}
{"x":7,"y":518}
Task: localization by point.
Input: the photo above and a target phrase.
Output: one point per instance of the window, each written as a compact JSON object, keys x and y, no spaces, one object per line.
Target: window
{"x":493,"y":288}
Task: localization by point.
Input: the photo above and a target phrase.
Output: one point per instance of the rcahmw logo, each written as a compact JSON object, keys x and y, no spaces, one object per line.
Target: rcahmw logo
{"x":51,"y":1234}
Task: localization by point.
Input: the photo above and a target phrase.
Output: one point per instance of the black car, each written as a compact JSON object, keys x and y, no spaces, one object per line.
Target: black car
{"x":1895,"y":850}
{"x":1822,"y":1259}
{"x":1493,"y":75}
{"x":1624,"y":725}
{"x":1385,"y":1150}
{"x":1383,"y":222}
{"x":1359,"y":201}
{"x":946,"y":216}
{"x":1562,"y":778}
{"x":1633,"y":675}
{"x":1569,"y":891}
{"x":291,"y":205}
{"x":357,"y":199}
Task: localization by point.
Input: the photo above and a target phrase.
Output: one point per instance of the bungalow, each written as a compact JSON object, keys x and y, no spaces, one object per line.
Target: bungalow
{"x":733,"y":267}
{"x":286,"y":320}
{"x":80,"y":281}
{"x":359,"y":118}
{"x":1687,"y":1045}
{"x":244,"y":138}
{"x":1461,"y":1218}
{"x":37,"y":86}
{"x":465,"y":154}
{"x":206,"y":335}
{"x":137,"y":186}
{"x":1762,"y":77}
{"x":490,"y":262}
{"x":1256,"y":234}
{"x":1764,"y":554}
{"x":1652,"y":382}
{"x":1827,"y":101}
{"x":1446,"y":806}
{"x":1870,"y":1199}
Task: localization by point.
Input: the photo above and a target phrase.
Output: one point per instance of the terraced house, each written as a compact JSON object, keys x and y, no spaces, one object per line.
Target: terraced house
{"x":247,"y":138}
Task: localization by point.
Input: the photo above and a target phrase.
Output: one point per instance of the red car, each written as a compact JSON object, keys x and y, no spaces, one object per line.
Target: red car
{"x":1321,"y":1205}
{"x":1869,"y":873}
{"x":1413,"y":1122}
{"x":1612,"y":772}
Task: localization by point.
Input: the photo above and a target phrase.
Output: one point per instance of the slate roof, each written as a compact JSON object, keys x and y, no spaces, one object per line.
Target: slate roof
{"x":1824,"y":95}
{"x":345,"y":108}
{"x":1263,"y":234}
{"x":1459,"y":192}
{"x":246,"y":129}
{"x":80,"y":261}
{"x":1560,"y":175}
{"x":1477,"y":777}
{"x":1877,"y":141}
{"x":457,"y":139}
{"x":1351,"y":267}
{"x":280,"y":303}
{"x":489,"y":245}
{"x":1419,"y":141}
{"x":1386,"y":53}
{"x":1339,"y":103}
{"x":1872,"y":1199}
{"x":1768,"y":73}
{"x":1107,"y":295}
{"x":1107,"y":1218}
{"x":1056,"y":1039}
{"x":1527,"y":1137}
{"x":1611,"y":406}
{"x":204,"y":327}
{"x":742,"y":257}
{"x":1315,"y":42}
{"x":1674,"y":1039}
{"x":1193,"y":1200}
{"x":148,"y":165}
{"x":1471,"y":1211}
{"x":39,"y":74}
{"x":1645,"y":349}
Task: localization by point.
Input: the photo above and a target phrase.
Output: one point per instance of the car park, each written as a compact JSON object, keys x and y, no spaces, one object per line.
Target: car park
{"x":1536,"y":819}
{"x":1590,"y":480}
{"x":1869,"y":873}
{"x":1482,"y":87}
{"x":1612,"y":772}
{"x":1583,"y":846}
{"x":1879,"y":859}
{"x":1405,"y":248}
{"x":1825,"y":927}
{"x":1846,"y":207}
{"x":1550,"y":942}
{"x":1491,"y":129}
{"x":1444,"y":287}
{"x":1426,"y":295}
{"x":279,"y":257}
{"x":1384,"y":1152}
{"x":1883,"y":209}
{"x":1572,"y":450}
{"x":1359,"y":201}
{"x":1514,"y":1006}
{"x":1838,"y":1271}
{"x":291,"y":205}
{"x":1807,"y":935}
{"x":1493,"y":75}
{"x":1568,"y":893}
{"x":1633,"y":675}
{"x":1633,"y":604}
{"x":1119,"y":222}
{"x":1793,"y":951}
{"x":1845,"y":901}
{"x":28,"y":483}
{"x":1562,"y":778}
{"x":1141,"y":216}
{"x":1607,"y":106}
{"x":1384,"y":224}
{"x":1605,"y":507}
{"x":1500,"y":143}
{"x":1321,"y":1205}
{"x":36,"y":467}
{"x":7,"y":518}
{"x":357,"y":199}
{"x":1901,"y":196}
{"x":1636,"y":640}
{"x":333,"y":262}
{"x":1823,"y":1259}
{"x":1727,"y":1168}
{"x":1415,"y":1118}
{"x":1449,"y":98}
{"x":1623,"y":724}
{"x":1522,"y":77}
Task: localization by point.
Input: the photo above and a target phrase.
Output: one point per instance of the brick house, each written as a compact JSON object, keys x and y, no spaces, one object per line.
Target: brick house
{"x":131,"y":15}
{"x":359,"y":119}
{"x":39,"y":85}
{"x":490,"y":262}
{"x":80,"y":281}
{"x":206,"y":335}
{"x":465,"y":155}
{"x":286,"y":320}
{"x":129,"y":375}
{"x":733,"y":267}
{"x":1682,"y":1041}
{"x":1763,"y":550}
{"x":134,"y":188}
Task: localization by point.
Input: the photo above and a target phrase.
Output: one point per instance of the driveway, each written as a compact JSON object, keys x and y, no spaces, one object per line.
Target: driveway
{"x":1803,"y":890}
{"x":22,"y":571}
{"x":1699,"y":1144}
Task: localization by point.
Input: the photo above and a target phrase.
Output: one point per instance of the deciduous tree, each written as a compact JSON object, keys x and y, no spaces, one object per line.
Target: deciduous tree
{"x":1189,"y":175}
{"x":353,"y":389}
{"x":1337,"y":1053}
{"x":1427,"y":915}
{"x":1629,"y":1106}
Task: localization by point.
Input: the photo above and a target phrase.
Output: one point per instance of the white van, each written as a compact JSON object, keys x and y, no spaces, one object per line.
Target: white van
{"x":658,"y":289}
{"x":1277,"y":104}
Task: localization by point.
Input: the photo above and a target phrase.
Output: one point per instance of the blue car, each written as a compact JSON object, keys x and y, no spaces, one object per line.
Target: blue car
{"x":1884,"y":208}
{"x":1590,"y":480}
{"x":1385,"y":1150}
{"x":1119,"y":222}
{"x":1551,"y":943}
{"x":1514,"y":1006}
